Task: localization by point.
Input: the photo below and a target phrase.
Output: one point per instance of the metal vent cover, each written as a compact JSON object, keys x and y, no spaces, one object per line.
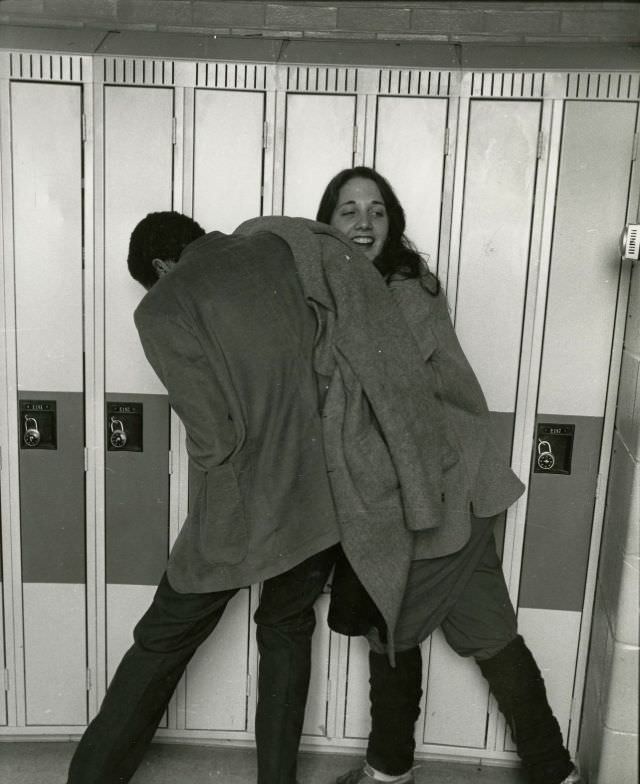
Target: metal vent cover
{"x":321,"y":79}
{"x":603,"y":86}
{"x":237,"y":76}
{"x":412,"y":82}
{"x":46,"y":67}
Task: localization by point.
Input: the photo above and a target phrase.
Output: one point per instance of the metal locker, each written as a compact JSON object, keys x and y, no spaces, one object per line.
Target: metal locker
{"x":593,"y":183}
{"x":3,"y":696}
{"x":227,"y":186}
{"x":319,"y":142}
{"x":138,"y":164}
{"x":495,"y":225}
{"x":410,"y":150}
{"x":47,"y":194}
{"x":227,"y":157}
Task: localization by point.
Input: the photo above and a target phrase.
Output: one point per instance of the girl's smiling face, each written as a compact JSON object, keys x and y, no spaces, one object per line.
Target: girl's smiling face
{"x":361,"y":214}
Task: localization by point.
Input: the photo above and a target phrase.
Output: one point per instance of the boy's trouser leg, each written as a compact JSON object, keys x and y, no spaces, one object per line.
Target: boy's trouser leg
{"x":516,"y":683}
{"x":165,"y":639}
{"x":285,"y":622}
{"x":395,"y":694}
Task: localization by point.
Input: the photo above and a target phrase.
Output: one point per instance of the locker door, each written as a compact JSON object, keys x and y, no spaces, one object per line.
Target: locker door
{"x":319,"y":143}
{"x":3,"y":697}
{"x":227,"y":181}
{"x":410,"y":138}
{"x":593,"y":182}
{"x":138,"y":159}
{"x":47,"y":199}
{"x":227,"y":165}
{"x":494,"y":248}
{"x":409,"y":152}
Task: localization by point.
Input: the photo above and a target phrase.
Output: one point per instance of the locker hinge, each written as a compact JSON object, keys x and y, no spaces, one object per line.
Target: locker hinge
{"x":634,"y":149}
{"x":170,"y":462}
{"x":6,"y":685}
{"x":89,"y":680}
{"x":446,"y":141}
{"x":174,"y":130}
{"x":355,"y":138}
{"x":265,"y":135}
{"x":248,"y":685}
{"x":540,"y":149}
{"x":83,"y":124}
{"x":0,"y":458}
{"x":86,"y":459}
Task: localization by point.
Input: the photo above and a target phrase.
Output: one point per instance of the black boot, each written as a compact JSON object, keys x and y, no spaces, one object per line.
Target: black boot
{"x":516,"y":683}
{"x":395,"y":706}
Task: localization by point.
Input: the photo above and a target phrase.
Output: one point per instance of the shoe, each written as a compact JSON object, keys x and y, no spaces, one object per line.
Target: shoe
{"x":361,"y":776}
{"x":573,"y":778}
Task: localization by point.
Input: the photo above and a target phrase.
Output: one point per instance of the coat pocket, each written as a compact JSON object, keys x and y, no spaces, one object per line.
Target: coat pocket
{"x":223,"y":536}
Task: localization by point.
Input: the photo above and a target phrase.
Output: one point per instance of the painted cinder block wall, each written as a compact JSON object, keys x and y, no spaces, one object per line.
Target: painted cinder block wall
{"x":563,"y":22}
{"x":609,"y":738}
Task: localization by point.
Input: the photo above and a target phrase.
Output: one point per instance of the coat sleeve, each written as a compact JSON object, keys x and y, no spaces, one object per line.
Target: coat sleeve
{"x":194,"y":380}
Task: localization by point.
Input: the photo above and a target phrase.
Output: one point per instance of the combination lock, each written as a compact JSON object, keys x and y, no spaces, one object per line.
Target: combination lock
{"x":546,"y":460}
{"x":31,"y":432}
{"x":118,"y":436}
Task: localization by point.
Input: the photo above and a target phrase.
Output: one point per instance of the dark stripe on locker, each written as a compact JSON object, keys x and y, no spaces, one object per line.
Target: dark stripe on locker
{"x":137,"y":499}
{"x":559,"y":519}
{"x":52,"y":498}
{"x":502,"y":432}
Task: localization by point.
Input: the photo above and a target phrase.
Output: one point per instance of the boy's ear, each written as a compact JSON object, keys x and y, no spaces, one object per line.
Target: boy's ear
{"x":163,"y":266}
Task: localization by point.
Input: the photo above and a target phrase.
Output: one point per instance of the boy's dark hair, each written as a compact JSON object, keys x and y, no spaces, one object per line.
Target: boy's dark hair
{"x":161,"y":235}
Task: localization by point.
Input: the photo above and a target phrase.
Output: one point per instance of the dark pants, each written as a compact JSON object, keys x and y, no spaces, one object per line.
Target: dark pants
{"x":515,"y":682}
{"x":481,"y":623}
{"x":166,"y":638}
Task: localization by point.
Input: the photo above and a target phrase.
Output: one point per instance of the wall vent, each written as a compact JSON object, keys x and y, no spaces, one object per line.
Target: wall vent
{"x":603,"y":86}
{"x":510,"y":84}
{"x":45,"y":67}
{"x":122,"y":70}
{"x":401,"y":82}
{"x":301,"y":79}
{"x":237,"y":76}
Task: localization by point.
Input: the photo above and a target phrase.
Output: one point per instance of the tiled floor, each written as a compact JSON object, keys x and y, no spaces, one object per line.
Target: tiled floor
{"x":46,"y":763}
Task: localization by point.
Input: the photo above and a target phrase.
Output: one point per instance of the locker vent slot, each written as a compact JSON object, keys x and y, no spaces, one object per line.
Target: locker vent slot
{"x":122,"y":70}
{"x":237,"y":76}
{"x":604,"y":86}
{"x":400,"y":82}
{"x":490,"y":84}
{"x":301,"y":79}
{"x":45,"y":67}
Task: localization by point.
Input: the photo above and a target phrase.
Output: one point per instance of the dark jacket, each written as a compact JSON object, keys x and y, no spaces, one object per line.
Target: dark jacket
{"x":231,"y":337}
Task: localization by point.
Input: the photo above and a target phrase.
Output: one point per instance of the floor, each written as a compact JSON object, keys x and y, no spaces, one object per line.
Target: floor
{"x":46,"y":763}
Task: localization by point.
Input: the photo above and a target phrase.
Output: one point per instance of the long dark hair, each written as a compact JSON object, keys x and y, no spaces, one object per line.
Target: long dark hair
{"x":398,"y":257}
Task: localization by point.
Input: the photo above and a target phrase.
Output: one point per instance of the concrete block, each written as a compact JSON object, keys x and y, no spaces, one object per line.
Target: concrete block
{"x":603,"y":23}
{"x":450,"y":22}
{"x":371,"y":18}
{"x":157,"y":12}
{"x":303,"y":17}
{"x":22,"y":7}
{"x":87,"y":9}
{"x":627,"y":625}
{"x":628,"y":416}
{"x":622,"y":706}
{"x":228,"y":14}
{"x":618,"y":758}
{"x":632,"y":330}
{"x":526,"y":22}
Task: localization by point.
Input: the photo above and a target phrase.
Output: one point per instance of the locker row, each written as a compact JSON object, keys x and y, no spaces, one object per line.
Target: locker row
{"x":517,"y":203}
